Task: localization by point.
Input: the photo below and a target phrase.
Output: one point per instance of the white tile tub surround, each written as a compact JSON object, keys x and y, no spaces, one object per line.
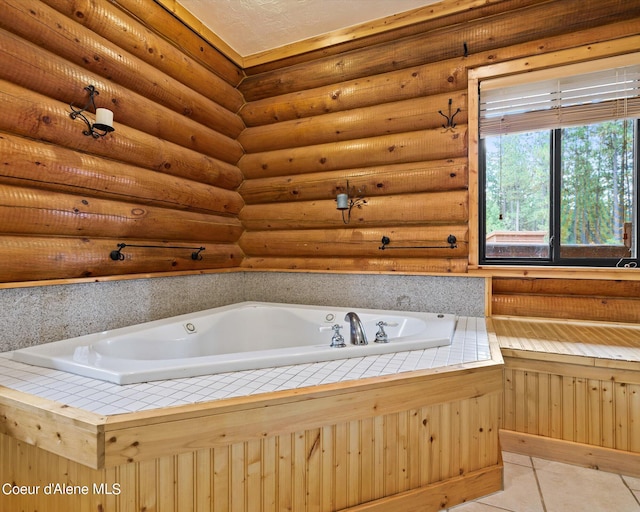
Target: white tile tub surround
{"x":470,"y":343}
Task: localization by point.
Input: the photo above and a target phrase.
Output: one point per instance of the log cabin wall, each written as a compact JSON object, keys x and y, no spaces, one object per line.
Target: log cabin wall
{"x":168,"y":174}
{"x":371,"y":112}
{"x":368,"y":111}
{"x":606,"y":300}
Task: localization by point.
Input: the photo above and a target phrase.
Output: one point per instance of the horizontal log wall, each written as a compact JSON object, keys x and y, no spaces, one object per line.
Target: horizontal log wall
{"x":580,"y":299}
{"x":167,"y":176}
{"x":370,"y":112}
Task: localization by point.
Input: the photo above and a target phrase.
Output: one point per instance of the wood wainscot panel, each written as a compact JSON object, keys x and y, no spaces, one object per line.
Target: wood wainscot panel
{"x":572,"y":391}
{"x":429,"y":437}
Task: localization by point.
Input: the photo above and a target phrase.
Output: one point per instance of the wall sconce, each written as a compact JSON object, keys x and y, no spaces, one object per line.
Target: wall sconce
{"x":345,"y":203}
{"x":104,"y":117}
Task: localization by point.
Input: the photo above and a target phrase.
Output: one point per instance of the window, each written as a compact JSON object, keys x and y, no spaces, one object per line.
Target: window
{"x":559,"y":167}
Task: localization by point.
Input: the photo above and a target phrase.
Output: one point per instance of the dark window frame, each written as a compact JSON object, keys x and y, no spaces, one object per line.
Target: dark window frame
{"x":555,"y":178}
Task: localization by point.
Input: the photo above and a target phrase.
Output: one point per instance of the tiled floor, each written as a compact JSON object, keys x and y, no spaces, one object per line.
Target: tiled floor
{"x":538,"y":485}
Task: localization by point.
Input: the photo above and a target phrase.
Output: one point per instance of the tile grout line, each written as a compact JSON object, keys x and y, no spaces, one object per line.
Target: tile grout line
{"x":624,"y":482}
{"x":535,"y":474}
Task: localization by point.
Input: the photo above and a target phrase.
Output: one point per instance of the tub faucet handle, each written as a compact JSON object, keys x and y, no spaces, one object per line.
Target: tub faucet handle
{"x":381,"y":336}
{"x":337,"y":340}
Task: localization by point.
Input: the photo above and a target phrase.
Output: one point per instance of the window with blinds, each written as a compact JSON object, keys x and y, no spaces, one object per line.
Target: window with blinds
{"x":558,"y":165}
{"x":559,"y":102}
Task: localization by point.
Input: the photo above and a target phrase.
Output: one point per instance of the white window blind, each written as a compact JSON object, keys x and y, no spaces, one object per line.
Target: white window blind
{"x":558,"y":102}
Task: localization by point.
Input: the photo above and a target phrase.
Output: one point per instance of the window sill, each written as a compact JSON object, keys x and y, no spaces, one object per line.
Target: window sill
{"x":624,"y":274}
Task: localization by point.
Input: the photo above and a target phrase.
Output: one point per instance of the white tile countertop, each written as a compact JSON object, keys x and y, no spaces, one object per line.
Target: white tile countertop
{"x":470,"y":343}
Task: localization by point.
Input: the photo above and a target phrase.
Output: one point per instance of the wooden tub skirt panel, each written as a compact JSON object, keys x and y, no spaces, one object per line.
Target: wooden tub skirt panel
{"x":572,"y":391}
{"x":579,"y":454}
{"x":414,"y":438}
{"x":441,"y":495}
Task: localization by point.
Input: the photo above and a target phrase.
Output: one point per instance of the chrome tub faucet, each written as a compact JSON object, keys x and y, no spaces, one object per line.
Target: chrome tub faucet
{"x":358,"y":336}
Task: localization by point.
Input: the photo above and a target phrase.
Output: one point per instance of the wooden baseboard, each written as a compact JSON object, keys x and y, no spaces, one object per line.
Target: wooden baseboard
{"x":441,"y":495}
{"x":595,"y":457}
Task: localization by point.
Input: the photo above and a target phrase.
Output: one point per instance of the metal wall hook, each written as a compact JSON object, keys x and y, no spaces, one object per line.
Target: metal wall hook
{"x":116,"y":254}
{"x":196,"y":255}
{"x":450,"y":124}
{"x":451,"y":240}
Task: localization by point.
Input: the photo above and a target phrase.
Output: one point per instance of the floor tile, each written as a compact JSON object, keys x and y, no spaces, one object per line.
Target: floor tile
{"x":632,"y":483}
{"x":516,"y":458}
{"x":568,"y":488}
{"x":520,"y":493}
{"x":475,"y":506}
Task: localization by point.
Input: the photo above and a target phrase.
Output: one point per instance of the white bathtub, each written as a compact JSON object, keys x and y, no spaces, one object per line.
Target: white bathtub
{"x":244,"y":336}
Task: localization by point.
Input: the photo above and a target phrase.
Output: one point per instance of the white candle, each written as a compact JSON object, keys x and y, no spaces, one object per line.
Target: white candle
{"x":343,"y":201}
{"x":104,"y":117}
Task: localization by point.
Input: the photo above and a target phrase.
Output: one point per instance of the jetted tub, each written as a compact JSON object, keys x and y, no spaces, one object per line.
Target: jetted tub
{"x":244,"y":336}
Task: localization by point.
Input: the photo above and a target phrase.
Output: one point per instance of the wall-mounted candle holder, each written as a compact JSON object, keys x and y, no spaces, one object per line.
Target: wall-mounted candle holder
{"x":344,"y":202}
{"x":104,"y":116}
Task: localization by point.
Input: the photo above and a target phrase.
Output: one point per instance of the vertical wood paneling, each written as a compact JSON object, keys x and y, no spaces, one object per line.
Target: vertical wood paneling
{"x":320,"y":469}
{"x":353,"y":463}
{"x":634,"y":421}
{"x":204,"y":479}
{"x":341,"y":465}
{"x":269,"y":475}
{"x":299,"y":488}
{"x":390,"y":454}
{"x":434,"y":440}
{"x":237,"y":473}
{"x":367,"y":460}
{"x":147,"y":476}
{"x":254,"y":475}
{"x":328,"y":443}
{"x":284,"y":471}
{"x":591,"y":411}
{"x":187,"y":478}
{"x":313,"y":469}
{"x":378,"y":471}
{"x":221,"y":479}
